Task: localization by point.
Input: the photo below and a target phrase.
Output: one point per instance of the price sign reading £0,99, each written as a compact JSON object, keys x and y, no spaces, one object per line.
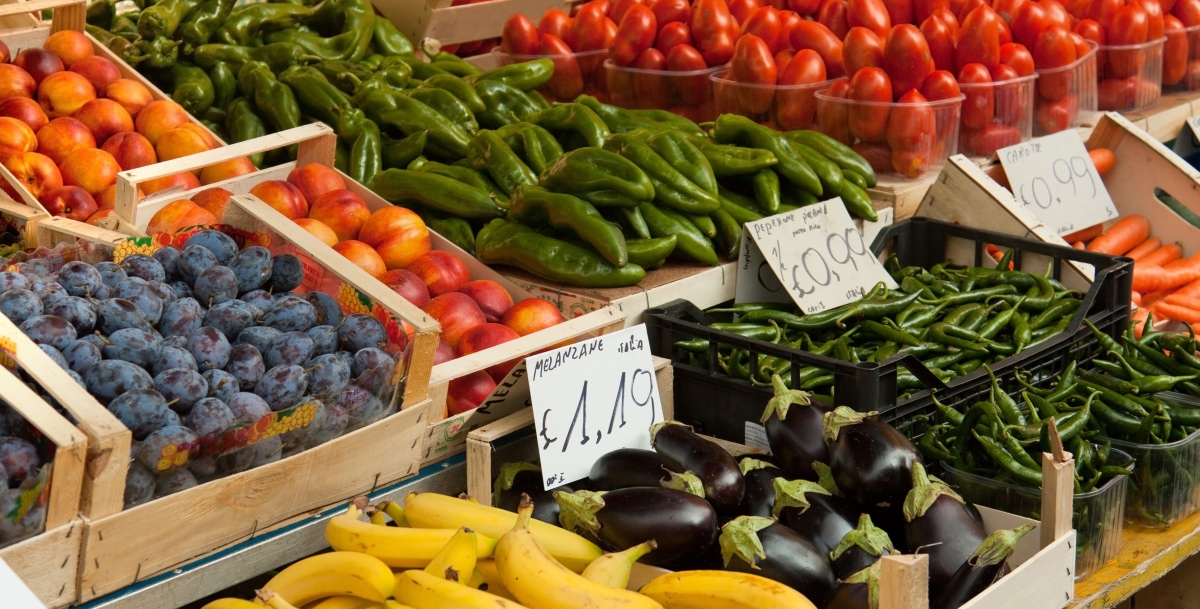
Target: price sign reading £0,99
{"x":1054,"y":178}
{"x":591,"y":398}
{"x":813,"y":256}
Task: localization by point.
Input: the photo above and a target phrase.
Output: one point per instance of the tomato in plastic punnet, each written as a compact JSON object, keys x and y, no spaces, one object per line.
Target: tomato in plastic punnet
{"x":1007,"y":9}
{"x":587,"y":28}
{"x":787,"y":20}
{"x":634,"y":35}
{"x":804,"y":7}
{"x":765,"y":24}
{"x":912,"y":133}
{"x":651,"y":88}
{"x":1167,"y":5}
{"x":672,"y":34}
{"x":946,"y":16}
{"x":1188,"y":11}
{"x":980,"y":105}
{"x":979,"y":41}
{"x":1054,"y":49}
{"x":871,"y":14}
{"x":741,"y":9}
{"x":619,"y":7}
{"x":906,"y":58}
{"x":1175,"y":51}
{"x":1015,"y":55}
{"x":783,"y":58}
{"x":862,"y":48}
{"x":1090,"y":29}
{"x":556,"y":23}
{"x":685,"y":58}
{"x":1057,"y":13}
{"x":1005,"y":32}
{"x":899,"y":11}
{"x":813,"y":35}
{"x":1102,"y":11}
{"x":753,"y":64}
{"x":962,"y":10}
{"x":795,"y":109}
{"x":833,"y":114}
{"x":519,"y":36}
{"x":671,"y":11}
{"x":1055,"y":116}
{"x":922,"y":9}
{"x":567,"y":82}
{"x":868,"y":121}
{"x":714,"y":30}
{"x":1192,"y":79}
{"x":1010,"y":97}
{"x":1129,"y":27}
{"x":693,"y":90}
{"x":1002,"y":72}
{"x":1116,"y":93}
{"x":878,"y":155}
{"x":1029,"y":22}
{"x":986,"y":141}
{"x":833,"y":15}
{"x":1155,"y":27}
{"x":940,"y":39}
{"x":939,"y":85}
{"x":1081,"y":45}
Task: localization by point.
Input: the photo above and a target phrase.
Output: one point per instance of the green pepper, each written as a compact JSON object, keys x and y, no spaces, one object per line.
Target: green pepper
{"x":203,"y":21}
{"x":536,"y":146}
{"x":386,"y":79}
{"x":466,"y":175}
{"x":503,"y":104}
{"x":692,"y":243}
{"x":162,"y":19}
{"x":346,"y":75}
{"x":599,"y":177}
{"x":273,"y":99}
{"x":399,"y":153}
{"x":742,"y":208}
{"x":665,"y":119}
{"x":671,"y":188}
{"x":631,"y":219}
{"x":858,"y":202}
{"x":736,"y":129}
{"x":766,"y":190}
{"x":455,"y":65}
{"x":845,"y":156}
{"x":366,"y":145}
{"x":679,"y":152}
{"x":354,"y":19}
{"x":457,"y":230}
{"x":650,"y":253}
{"x":394,"y":109}
{"x":388,"y":40}
{"x":619,"y":120}
{"x":525,"y":76}
{"x":242,"y":25}
{"x":317,"y":97}
{"x":488,"y":153}
{"x":224,"y":84}
{"x":100,"y":13}
{"x":575,"y":124}
{"x":536,"y":206}
{"x":827,"y":171}
{"x":729,"y":232}
{"x":704,"y":224}
{"x":727,"y":161}
{"x":445,"y":103}
{"x":278,"y":56}
{"x":193,"y":89}
{"x":457,"y":87}
{"x":436,"y":192}
{"x":506,"y":242}
{"x":161,"y":53}
{"x":241,"y":123}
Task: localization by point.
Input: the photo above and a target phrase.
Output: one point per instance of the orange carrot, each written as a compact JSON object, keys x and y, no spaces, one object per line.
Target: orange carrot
{"x":1136,"y":298}
{"x":1149,"y":299}
{"x":1148,"y":278}
{"x":1146,"y":247}
{"x":1187,"y":295}
{"x":1103,"y":159}
{"x":1086,"y":234}
{"x":1178,"y":313}
{"x":1164,"y":255}
{"x":1079,"y":245}
{"x":1122,"y":236}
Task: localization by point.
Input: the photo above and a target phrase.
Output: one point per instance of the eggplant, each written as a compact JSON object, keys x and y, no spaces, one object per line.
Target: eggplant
{"x":859,"y":591}
{"x":762,"y":546}
{"x":516,"y":479}
{"x":627,"y":467}
{"x":811,"y":511}
{"x":860,"y":548}
{"x":724,"y":484}
{"x":871,"y":461}
{"x":759,"y":497}
{"x":937,"y":523}
{"x":981,"y":569}
{"x":793,"y":424}
{"x":683,"y":525}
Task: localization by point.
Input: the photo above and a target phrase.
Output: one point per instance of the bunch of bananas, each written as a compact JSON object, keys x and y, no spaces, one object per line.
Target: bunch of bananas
{"x":451,"y":553}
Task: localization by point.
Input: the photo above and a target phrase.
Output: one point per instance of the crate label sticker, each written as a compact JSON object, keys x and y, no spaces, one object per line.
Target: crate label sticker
{"x":591,"y":398}
{"x":756,"y":436}
{"x":812,"y":256}
{"x":8,"y":353}
{"x":1054,"y":178}
{"x":17,"y":595}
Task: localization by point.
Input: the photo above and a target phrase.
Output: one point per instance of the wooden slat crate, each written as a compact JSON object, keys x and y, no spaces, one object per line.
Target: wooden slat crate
{"x":437,"y":19}
{"x":23,"y":217}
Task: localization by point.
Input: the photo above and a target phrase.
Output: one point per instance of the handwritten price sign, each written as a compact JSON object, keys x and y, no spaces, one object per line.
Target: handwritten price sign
{"x":591,"y":398}
{"x":813,"y":256}
{"x":1054,"y":178}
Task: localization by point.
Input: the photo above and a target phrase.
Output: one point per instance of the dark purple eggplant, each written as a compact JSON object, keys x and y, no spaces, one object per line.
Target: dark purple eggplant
{"x":981,"y":569}
{"x":759,"y":497}
{"x":793,"y":424}
{"x":859,"y":591}
{"x":516,"y":479}
{"x":628,"y":467}
{"x":860,"y":548}
{"x":723,"y":481}
{"x":762,"y":546}
{"x":683,"y":525}
{"x":871,"y":461}
{"x":937,"y":523}
{"x":809,"y":509}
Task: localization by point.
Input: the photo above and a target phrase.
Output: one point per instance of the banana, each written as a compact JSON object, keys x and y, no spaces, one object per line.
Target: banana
{"x":431,"y":510}
{"x":391,"y":604}
{"x":613,"y":569}
{"x":456,"y":560}
{"x":495,"y":585}
{"x":333,"y":574}
{"x":477,"y":581}
{"x":395,"y":546}
{"x":395,"y":512}
{"x":344,"y":602}
{"x":421,"y":590}
{"x":376,"y":516}
{"x":230,"y":603}
{"x":722,"y":590}
{"x":273,"y":600}
{"x":541,"y":582}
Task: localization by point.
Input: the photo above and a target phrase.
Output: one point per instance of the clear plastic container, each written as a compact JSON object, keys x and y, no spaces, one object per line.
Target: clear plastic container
{"x":688,"y":94}
{"x":1129,"y":76}
{"x":1009,"y":122}
{"x":1164,"y":489}
{"x":901,"y":141}
{"x":1098,"y":515}
{"x":574,"y":74}
{"x":1183,"y":76}
{"x":1066,"y":96}
{"x":781,"y":107}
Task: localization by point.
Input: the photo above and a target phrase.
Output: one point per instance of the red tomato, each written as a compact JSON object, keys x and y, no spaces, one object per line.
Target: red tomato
{"x":1081,"y":45}
{"x":906,"y":58}
{"x":1102,"y":11}
{"x":940,"y":85}
{"x":1005,"y":36}
{"x":634,"y":35}
{"x":869,"y":121}
{"x":1057,"y":13}
{"x":832,"y":115}
{"x":813,"y":35}
{"x":1010,"y":98}
{"x":979,"y":41}
{"x":945,"y":16}
{"x":555,"y":23}
{"x":1188,"y":12}
{"x":694,"y":91}
{"x":519,"y":36}
{"x":713,"y":29}
{"x":741,"y":9}
{"x":833,"y":15}
{"x":912,"y":133}
{"x":1007,"y":9}
{"x":1130,"y":25}
{"x":1056,"y":116}
{"x":1003,"y":72}
{"x":587,"y":28}
{"x":941,"y":42}
{"x":878,"y":155}
{"x":804,"y":7}
{"x":1167,"y":5}
{"x":685,"y":58}
{"x":966,"y":8}
{"x":900,"y":11}
{"x":922,"y":9}
{"x":1054,"y":49}
{"x":783,"y":59}
{"x":980,"y":105}
{"x":1090,"y":29}
{"x":1192,"y":79}
{"x":650,"y":88}
{"x":753,"y":64}
{"x":862,"y":48}
{"x":1029,"y":22}
{"x":764,"y":23}
{"x":805,"y":68}
{"x":619,"y":7}
{"x":1175,"y":51}
{"x":650,"y":59}
{"x":787,"y":20}
{"x":1155,"y":28}
{"x":795,"y":109}
{"x":567,"y":82}
{"x":986,"y":141}
{"x":871,"y":14}
{"x":671,"y":11}
{"x":672,"y":34}
{"x":1116,"y":93}
{"x":1018,"y":57}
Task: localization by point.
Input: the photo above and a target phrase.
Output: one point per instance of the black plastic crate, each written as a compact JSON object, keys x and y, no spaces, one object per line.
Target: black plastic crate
{"x":720,"y":405}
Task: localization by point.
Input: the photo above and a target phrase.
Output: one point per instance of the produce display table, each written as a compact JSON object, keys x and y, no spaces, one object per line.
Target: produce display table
{"x":1146,"y":555}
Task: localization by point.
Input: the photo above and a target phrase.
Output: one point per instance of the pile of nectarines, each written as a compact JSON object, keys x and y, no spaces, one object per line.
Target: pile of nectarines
{"x":69,"y":122}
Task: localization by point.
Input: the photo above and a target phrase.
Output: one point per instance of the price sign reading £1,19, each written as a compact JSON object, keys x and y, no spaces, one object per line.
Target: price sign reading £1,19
{"x":591,"y":398}
{"x":813,"y":256}
{"x":1054,"y":178}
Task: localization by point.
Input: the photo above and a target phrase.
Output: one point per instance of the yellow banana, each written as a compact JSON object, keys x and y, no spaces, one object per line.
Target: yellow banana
{"x":722,"y":590}
{"x":421,"y":590}
{"x":391,"y":604}
{"x":395,"y":512}
{"x":495,"y":585}
{"x":477,"y":581}
{"x":457,"y":559}
{"x":613,"y":569}
{"x":231,"y":603}
{"x":436,"y":511}
{"x":376,"y":516}
{"x":395,"y":546}
{"x":343,"y":602}
{"x":334,"y":574}
{"x":273,"y":600}
{"x":541,"y":582}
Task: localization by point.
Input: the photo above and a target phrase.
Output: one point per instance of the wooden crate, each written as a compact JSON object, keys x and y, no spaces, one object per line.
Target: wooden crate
{"x":24,"y":217}
{"x":902,"y":197}
{"x":47,"y":562}
{"x":68,"y":15}
{"x":437,"y":19}
{"x":1166,"y":117}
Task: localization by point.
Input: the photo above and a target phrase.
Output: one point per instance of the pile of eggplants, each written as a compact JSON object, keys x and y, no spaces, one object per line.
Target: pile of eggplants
{"x":839,"y":490}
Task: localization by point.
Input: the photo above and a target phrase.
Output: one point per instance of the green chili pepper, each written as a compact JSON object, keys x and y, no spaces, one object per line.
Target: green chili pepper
{"x":602,"y":178}
{"x":203,"y":21}
{"x":576,"y":124}
{"x":534,"y":206}
{"x":457,"y":87}
{"x":457,"y":230}
{"x":504,"y":242}
{"x":393,"y":109}
{"x":632,"y":220}
{"x":241,"y":123}
{"x":535,"y":145}
{"x":671,"y":188}
{"x":162,"y":19}
{"x":366,"y":145}
{"x":388,"y":40}
{"x":161,"y":53}
{"x":503,"y":104}
{"x":650,"y":253}
{"x":244,"y":22}
{"x":445,"y":103}
{"x":354,"y":19}
{"x":732,"y":128}
{"x":399,"y":153}
{"x":679,"y":152}
{"x":488,"y":153}
{"x":436,"y":192}
{"x":743,"y":209}
{"x":273,"y":99}
{"x":729,"y":232}
{"x":691,"y":242}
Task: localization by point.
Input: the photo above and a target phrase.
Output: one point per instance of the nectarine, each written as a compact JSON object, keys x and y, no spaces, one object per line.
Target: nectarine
{"x":25,"y":110}
{"x":226,"y":170}
{"x":466,"y":393}
{"x":69,"y":45}
{"x":15,"y":137}
{"x":457,"y":313}
{"x":62,"y":93}
{"x":99,"y":71}
{"x":104,"y":118}
{"x":35,"y":171}
{"x":184,"y":181}
{"x":407,"y":285}
{"x":63,"y":135}
{"x":214,"y":200}
{"x":341,"y":210}
{"x":283,"y":196}
{"x":531,"y":315}
{"x":131,"y":94}
{"x":131,"y":150}
{"x":178,"y":215}
{"x":91,"y":169}
{"x":363,"y":256}
{"x":315,"y":180}
{"x":157,"y":118}
{"x":179,"y":142}
{"x":39,"y":63}
{"x":491,"y":297}
{"x":15,"y":82}
{"x":69,"y":202}
{"x":441,"y":271}
{"x":319,"y":230}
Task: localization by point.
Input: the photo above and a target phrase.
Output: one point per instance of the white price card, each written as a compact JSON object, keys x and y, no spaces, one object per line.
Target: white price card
{"x":1054,"y":178}
{"x":813,"y":256}
{"x":591,"y":398}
